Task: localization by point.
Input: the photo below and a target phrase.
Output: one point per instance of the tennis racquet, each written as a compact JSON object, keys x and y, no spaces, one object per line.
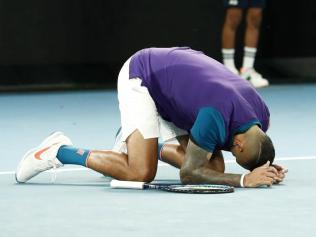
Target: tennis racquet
{"x":177,"y":188}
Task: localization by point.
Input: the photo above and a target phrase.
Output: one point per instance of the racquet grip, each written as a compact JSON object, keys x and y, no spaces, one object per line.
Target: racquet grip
{"x":127,"y":184}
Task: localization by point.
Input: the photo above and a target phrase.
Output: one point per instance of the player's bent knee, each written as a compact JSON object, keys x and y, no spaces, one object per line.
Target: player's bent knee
{"x":144,"y":178}
{"x":145,"y":175}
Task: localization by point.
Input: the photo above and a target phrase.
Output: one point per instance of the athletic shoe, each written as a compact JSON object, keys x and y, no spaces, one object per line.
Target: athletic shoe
{"x":41,"y":158}
{"x":254,"y":78}
{"x":119,"y":145}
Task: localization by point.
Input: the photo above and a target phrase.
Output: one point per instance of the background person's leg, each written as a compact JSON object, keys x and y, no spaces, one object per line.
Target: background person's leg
{"x":140,"y":164}
{"x":254,"y":18}
{"x":232,"y":21}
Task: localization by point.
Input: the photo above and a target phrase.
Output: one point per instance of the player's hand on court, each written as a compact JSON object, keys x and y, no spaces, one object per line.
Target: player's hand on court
{"x":281,"y":173}
{"x":263,"y":175}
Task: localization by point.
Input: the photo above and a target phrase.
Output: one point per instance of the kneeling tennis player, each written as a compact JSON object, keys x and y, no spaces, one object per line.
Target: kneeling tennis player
{"x":175,"y":93}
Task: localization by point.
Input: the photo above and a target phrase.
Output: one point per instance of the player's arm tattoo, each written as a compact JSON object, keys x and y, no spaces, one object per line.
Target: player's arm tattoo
{"x":216,"y":162}
{"x":196,"y":171}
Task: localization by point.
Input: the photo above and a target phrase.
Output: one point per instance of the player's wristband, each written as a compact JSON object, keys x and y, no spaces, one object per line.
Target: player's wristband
{"x":242,"y":180}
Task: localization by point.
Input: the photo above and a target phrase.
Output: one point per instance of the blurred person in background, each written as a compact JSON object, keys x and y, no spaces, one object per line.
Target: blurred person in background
{"x":234,"y":14}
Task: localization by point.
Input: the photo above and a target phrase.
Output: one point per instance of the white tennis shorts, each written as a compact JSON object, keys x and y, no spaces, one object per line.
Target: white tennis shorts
{"x":138,"y":110}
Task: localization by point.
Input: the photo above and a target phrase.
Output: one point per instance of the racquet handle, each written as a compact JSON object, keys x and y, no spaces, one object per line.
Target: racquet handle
{"x":127,"y":184}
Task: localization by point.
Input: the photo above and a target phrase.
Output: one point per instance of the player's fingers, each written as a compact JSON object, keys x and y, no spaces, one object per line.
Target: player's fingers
{"x":268,"y":181}
{"x":276,"y":182}
{"x":278,"y":167}
{"x":271,"y":174}
{"x":281,"y":175}
{"x":272,"y":169}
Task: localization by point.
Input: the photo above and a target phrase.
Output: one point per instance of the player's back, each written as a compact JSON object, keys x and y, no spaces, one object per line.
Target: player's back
{"x":181,"y":81}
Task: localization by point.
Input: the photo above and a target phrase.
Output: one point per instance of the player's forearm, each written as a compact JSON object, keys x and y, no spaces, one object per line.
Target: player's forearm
{"x":204,"y":175}
{"x":203,"y":167}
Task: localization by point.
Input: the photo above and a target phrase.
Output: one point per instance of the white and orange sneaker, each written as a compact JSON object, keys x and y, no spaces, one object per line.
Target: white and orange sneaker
{"x":41,"y":158}
{"x":254,"y":77}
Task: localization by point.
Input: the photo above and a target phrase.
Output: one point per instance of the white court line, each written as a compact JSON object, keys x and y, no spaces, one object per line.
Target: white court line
{"x":164,"y":164}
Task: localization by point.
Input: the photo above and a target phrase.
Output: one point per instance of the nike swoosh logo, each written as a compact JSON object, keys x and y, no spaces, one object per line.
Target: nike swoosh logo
{"x":40,"y":152}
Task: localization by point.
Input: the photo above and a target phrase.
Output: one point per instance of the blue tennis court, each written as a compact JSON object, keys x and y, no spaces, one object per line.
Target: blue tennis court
{"x":80,"y":202}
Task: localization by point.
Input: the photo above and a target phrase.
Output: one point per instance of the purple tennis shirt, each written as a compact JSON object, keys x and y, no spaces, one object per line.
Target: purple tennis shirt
{"x":198,"y":94}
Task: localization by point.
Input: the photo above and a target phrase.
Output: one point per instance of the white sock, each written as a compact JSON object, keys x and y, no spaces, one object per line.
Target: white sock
{"x":249,"y":57}
{"x":228,"y":58}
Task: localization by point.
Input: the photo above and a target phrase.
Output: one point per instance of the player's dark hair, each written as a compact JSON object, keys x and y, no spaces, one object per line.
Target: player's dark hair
{"x":266,"y":153}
